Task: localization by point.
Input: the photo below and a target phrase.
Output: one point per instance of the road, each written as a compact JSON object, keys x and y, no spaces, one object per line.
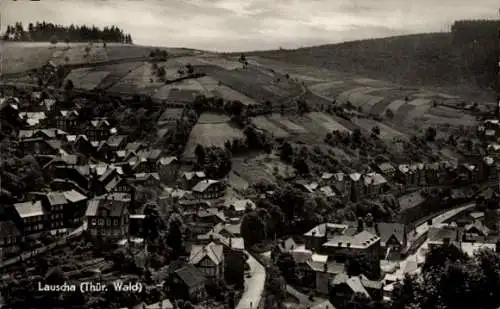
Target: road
{"x":254,"y":283}
{"x":419,"y":254}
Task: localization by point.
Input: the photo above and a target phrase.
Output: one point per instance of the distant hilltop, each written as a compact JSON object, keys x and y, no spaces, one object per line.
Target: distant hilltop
{"x":45,"y":32}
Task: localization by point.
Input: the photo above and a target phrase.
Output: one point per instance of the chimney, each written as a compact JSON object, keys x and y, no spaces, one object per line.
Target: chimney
{"x":325,"y":267}
{"x":230,"y":242}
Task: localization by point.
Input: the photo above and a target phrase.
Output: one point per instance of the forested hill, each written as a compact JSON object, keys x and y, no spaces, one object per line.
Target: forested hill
{"x":44,"y":32}
{"x":466,"y":57}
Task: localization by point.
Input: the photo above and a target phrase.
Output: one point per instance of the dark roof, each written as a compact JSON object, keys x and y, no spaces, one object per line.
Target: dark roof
{"x":385,"y":230}
{"x":190,"y":275}
{"x":439,"y":233}
{"x":116,"y":140}
{"x":115,"y":206}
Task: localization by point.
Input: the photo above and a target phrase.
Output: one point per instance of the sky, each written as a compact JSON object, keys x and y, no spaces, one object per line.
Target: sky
{"x":244,"y":25}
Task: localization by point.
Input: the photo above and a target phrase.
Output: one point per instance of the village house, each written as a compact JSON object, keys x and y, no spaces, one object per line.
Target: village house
{"x":147,"y":179}
{"x":375,"y":184}
{"x":443,"y":234}
{"x":40,"y":146}
{"x":107,"y":216}
{"x":406,"y":175}
{"x":139,"y":165}
{"x":344,"y":287}
{"x":342,"y":185}
{"x":46,"y":134}
{"x":10,"y":238}
{"x":361,"y":244}
{"x":167,"y":167}
{"x":67,"y":120}
{"x":209,"y":259}
{"x":393,"y":239}
{"x":30,"y":217}
{"x":209,"y":189}
{"x":237,"y":208}
{"x":98,"y":129}
{"x":187,"y":283}
{"x":190,"y":179}
{"x":320,"y":271}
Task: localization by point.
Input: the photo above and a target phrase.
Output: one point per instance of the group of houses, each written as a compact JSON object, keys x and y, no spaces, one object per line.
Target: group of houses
{"x":91,"y":172}
{"x":389,"y":178}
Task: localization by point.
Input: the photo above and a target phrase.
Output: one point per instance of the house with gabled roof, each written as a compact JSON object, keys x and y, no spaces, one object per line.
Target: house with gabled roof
{"x":375,"y":184}
{"x":40,"y":146}
{"x":188,"y":283}
{"x":168,"y":167}
{"x":107,"y":215}
{"x":209,"y":259}
{"x":209,"y":189}
{"x":147,"y":179}
{"x":393,"y":238}
{"x":190,"y":179}
{"x":30,"y":217}
{"x":10,"y":238}
{"x":67,"y":120}
{"x":98,"y":129}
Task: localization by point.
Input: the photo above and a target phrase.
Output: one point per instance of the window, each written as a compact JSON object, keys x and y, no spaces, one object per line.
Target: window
{"x":94,"y":221}
{"x":101,"y":222}
{"x":115,"y":222}
{"x":108,"y":222}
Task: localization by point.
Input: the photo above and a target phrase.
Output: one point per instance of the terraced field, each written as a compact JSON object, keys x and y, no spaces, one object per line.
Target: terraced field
{"x":265,"y":124}
{"x":211,"y":130}
{"x":116,"y":73}
{"x":386,"y":132}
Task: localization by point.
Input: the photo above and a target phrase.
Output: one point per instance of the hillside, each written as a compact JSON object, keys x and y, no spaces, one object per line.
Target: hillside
{"x":431,"y":60}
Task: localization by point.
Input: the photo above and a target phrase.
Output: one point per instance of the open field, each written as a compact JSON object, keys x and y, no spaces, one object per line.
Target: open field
{"x":117,"y":72}
{"x":327,"y":122}
{"x":287,"y":124}
{"x":386,"y":132}
{"x":232,"y":95}
{"x":214,"y":130}
{"x":261,"y":168}
{"x":265,"y":124}
{"x":19,"y":57}
{"x":90,"y":80}
{"x":223,"y":63}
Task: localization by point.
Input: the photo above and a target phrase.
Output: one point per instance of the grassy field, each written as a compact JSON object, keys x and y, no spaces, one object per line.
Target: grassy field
{"x":211,"y":130}
{"x":431,"y":60}
{"x":327,"y":122}
{"x":261,"y":168}
{"x":265,"y":124}
{"x":386,"y":132}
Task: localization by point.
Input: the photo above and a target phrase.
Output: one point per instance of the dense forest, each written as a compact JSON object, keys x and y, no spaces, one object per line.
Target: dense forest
{"x":45,"y":32}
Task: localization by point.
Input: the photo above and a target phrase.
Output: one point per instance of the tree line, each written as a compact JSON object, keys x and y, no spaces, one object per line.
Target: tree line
{"x":44,"y":32}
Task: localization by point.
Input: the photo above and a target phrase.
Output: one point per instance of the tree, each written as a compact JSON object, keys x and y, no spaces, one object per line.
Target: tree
{"x":68,"y":87}
{"x":53,"y":40}
{"x":430,"y":134}
{"x":176,"y":234}
{"x":389,"y":113}
{"x":66,"y":40}
{"x":376,"y":130}
{"x":286,"y":153}
{"x":200,"y":154}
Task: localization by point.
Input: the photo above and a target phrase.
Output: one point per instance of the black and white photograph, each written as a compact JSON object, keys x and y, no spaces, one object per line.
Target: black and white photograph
{"x":249,"y":154}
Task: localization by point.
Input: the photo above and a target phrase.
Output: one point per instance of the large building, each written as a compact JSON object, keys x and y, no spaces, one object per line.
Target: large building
{"x":107,"y":216}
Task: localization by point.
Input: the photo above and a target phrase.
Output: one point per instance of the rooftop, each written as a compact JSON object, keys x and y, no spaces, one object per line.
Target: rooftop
{"x":29,"y":209}
{"x":360,"y":240}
